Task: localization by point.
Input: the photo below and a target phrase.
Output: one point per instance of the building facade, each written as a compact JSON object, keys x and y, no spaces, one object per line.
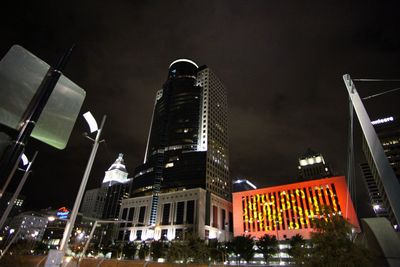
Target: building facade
{"x":388,"y":132}
{"x":287,"y":210}
{"x":193,"y":210}
{"x":93,"y":202}
{"x":29,"y":225}
{"x":312,"y":165}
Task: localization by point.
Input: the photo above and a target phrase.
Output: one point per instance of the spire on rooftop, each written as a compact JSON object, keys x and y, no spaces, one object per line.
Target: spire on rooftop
{"x":119,"y":164}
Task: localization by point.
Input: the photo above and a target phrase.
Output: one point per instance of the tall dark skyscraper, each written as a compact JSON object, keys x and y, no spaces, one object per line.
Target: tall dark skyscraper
{"x":187,"y":146}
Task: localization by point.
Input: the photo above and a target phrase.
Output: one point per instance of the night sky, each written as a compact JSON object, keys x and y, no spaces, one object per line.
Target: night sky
{"x":281,"y":61}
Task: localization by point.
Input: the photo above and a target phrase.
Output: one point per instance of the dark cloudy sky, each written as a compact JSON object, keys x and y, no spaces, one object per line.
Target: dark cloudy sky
{"x":281,"y":61}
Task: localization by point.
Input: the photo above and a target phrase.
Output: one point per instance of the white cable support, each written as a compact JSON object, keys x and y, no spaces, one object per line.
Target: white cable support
{"x":376,"y":80}
{"x":382,"y":93}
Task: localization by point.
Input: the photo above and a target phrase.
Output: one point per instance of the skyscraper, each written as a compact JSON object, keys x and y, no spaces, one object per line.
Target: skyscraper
{"x":187,"y":146}
{"x":313,"y":166}
{"x":183,"y":184}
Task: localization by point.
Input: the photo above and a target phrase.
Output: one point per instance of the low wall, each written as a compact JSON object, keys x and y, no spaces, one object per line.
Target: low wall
{"x":32,"y":261}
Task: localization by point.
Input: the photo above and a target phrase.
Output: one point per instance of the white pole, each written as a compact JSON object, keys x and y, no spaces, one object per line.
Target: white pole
{"x":74,"y":213}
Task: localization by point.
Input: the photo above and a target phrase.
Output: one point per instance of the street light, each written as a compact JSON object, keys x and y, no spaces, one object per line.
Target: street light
{"x":70,"y":224}
{"x":11,"y":202}
{"x":16,"y":234}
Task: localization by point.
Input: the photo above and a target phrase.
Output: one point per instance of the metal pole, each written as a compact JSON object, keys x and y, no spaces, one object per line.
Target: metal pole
{"x":74,"y":213}
{"x":16,"y":193}
{"x":350,"y":156}
{"x":3,"y":190}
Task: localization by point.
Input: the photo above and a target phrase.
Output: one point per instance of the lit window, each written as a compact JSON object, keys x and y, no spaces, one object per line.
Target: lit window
{"x":169,"y":165}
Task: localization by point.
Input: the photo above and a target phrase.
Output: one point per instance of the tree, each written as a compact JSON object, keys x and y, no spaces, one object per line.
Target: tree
{"x":116,"y":250}
{"x":178,"y":251}
{"x":192,"y":248}
{"x":143,"y":251}
{"x":200,"y":252}
{"x":298,"y":250}
{"x":332,"y":244}
{"x":218,"y":251}
{"x":158,"y":249}
{"x":112,"y":247}
{"x":242,"y":247}
{"x":129,"y":250}
{"x":40,"y":248}
{"x":267,"y":245}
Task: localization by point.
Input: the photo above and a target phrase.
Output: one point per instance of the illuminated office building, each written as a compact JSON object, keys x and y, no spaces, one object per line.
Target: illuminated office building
{"x":388,"y":131}
{"x":287,"y":210}
{"x":187,"y":146}
{"x":312,"y":165}
{"x":178,"y":213}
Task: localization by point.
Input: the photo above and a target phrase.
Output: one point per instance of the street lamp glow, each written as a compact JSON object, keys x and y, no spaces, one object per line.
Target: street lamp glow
{"x":91,"y":121}
{"x":376,"y":207}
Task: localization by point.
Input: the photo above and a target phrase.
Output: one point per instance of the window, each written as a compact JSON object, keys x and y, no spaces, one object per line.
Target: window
{"x":142,"y":212}
{"x":130,"y":216}
{"x":215,"y":216}
{"x":190,"y":212}
{"x":179,"y":212}
{"x":124,"y":213}
{"x":164,"y":234}
{"x":223,"y":215}
{"x":139,"y":235}
{"x":165,"y":215}
{"x":230,"y":222}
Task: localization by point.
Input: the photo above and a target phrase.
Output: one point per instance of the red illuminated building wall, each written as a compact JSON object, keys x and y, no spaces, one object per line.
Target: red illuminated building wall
{"x":287,"y":210}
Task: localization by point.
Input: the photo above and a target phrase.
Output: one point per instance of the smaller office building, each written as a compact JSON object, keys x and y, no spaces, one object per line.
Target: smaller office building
{"x":193,"y":210}
{"x":287,"y":210}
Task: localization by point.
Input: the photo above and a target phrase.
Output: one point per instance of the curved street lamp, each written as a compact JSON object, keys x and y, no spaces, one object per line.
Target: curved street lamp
{"x":59,"y":254}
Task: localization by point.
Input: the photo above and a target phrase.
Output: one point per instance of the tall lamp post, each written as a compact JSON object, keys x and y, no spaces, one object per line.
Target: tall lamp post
{"x":70,"y":224}
{"x":11,"y":202}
